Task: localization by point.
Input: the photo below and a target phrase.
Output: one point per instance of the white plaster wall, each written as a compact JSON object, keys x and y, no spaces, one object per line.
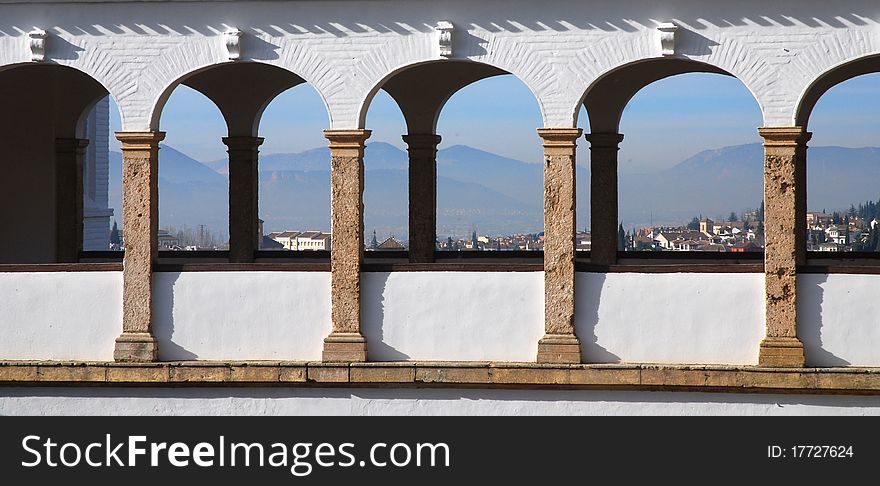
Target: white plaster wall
{"x":670,"y":318}
{"x":452,"y":315}
{"x":139,"y":50}
{"x":60,"y":316}
{"x":241,"y":315}
{"x":408,"y":402}
{"x":839,"y":319}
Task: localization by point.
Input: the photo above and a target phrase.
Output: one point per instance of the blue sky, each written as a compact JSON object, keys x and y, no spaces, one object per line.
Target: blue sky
{"x":664,"y":123}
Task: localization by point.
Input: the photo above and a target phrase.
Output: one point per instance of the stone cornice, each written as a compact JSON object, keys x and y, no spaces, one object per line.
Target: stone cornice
{"x":488,"y":375}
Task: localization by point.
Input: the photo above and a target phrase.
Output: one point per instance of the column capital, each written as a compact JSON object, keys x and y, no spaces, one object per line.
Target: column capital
{"x":421,"y":140}
{"x":347,"y":138}
{"x":604,"y":140}
{"x":140,"y":140}
{"x":784,"y":136}
{"x":242,"y":142}
{"x":559,"y":141}
{"x":70,"y":145}
{"x":347,"y":143}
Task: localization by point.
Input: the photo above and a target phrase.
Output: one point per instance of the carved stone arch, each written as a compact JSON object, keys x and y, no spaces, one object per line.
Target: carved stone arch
{"x":828,"y":79}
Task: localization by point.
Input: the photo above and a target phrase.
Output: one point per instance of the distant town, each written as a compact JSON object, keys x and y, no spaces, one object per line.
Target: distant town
{"x":856,"y":229}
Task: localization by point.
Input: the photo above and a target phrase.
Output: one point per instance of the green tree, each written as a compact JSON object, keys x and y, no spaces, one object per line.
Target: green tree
{"x":732,"y":217}
{"x":694,"y":224}
{"x":621,"y":238}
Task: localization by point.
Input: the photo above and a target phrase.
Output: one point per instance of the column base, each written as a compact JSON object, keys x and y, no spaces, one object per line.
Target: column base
{"x":345,"y":347}
{"x":781,"y":352}
{"x":138,"y":347}
{"x":559,"y":348}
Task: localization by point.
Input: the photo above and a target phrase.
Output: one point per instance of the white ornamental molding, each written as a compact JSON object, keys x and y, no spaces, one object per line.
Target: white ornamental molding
{"x":444,"y":34}
{"x":667,"y":38}
{"x":37,"y":44}
{"x":232,"y":38}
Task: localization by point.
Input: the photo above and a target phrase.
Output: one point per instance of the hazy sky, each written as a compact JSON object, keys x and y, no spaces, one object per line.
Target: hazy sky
{"x":665,"y":123}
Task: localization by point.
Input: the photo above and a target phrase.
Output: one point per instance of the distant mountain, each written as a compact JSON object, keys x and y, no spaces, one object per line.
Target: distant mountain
{"x":495,"y":194}
{"x":378,"y":155}
{"x":715,"y":182}
{"x":191,"y":192}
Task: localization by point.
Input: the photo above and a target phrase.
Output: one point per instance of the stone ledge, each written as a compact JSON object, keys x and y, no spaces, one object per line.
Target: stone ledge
{"x":437,"y":374}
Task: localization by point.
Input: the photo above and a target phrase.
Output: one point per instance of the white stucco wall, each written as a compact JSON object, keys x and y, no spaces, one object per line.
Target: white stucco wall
{"x":60,"y":316}
{"x":671,"y":317}
{"x":408,"y":402}
{"x":452,"y":315}
{"x":241,"y":315}
{"x":139,"y":50}
{"x":839,"y":319}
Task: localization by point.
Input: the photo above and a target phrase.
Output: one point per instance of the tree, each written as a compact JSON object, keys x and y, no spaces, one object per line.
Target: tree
{"x":114,"y":235}
{"x":621,"y":238}
{"x":732,"y":217}
{"x":761,"y":212}
{"x":846,"y":235}
{"x":694,"y":224}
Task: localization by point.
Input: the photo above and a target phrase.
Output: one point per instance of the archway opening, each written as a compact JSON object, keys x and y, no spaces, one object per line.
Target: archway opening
{"x":50,"y":164}
{"x":690,"y":167}
{"x":843,"y":168}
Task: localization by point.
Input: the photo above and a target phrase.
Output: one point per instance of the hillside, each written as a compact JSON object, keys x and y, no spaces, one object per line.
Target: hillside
{"x":495,"y":194}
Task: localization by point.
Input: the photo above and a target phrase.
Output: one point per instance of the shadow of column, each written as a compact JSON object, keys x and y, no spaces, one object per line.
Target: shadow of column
{"x":588,"y":293}
{"x":373,"y":318}
{"x":810,"y":322}
{"x":163,"y":318}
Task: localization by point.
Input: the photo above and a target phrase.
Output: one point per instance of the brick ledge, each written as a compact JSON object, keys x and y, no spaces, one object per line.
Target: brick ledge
{"x":645,"y":377}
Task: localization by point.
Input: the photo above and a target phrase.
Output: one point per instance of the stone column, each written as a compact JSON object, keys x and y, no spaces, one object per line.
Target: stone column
{"x":69,"y":153}
{"x":603,"y":197}
{"x":559,"y":344}
{"x":345,"y":342}
{"x":422,"y":196}
{"x":785,"y":198}
{"x":140,"y":212}
{"x":244,"y":237}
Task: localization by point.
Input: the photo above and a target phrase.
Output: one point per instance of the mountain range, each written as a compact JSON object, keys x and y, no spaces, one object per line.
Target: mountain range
{"x":490,"y":193}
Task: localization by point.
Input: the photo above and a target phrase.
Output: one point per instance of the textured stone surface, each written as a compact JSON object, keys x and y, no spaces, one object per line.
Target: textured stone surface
{"x":140,"y":208}
{"x":559,"y":343}
{"x":452,"y":374}
{"x":244,"y":234}
{"x":785,"y":235}
{"x":346,"y":343}
{"x":69,"y":153}
{"x":603,"y":196}
{"x":422,"y":196}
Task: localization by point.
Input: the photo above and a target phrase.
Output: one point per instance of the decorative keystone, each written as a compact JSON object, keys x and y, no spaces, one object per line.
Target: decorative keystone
{"x":232,"y":38}
{"x":38,"y":44}
{"x":444,"y":30}
{"x":667,"y":38}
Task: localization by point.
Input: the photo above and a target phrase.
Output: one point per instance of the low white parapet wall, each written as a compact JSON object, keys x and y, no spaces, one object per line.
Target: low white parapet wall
{"x":705,"y":318}
{"x":241,"y":315}
{"x":462,"y":316}
{"x":839,"y":319}
{"x":60,"y":315}
{"x":682,"y":318}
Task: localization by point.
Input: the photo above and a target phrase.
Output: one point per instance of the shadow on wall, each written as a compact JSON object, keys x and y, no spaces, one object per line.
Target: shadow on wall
{"x":547,"y":17}
{"x":373,"y":318}
{"x":163,"y":319}
{"x":587,"y":298}
{"x":811,"y":295}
